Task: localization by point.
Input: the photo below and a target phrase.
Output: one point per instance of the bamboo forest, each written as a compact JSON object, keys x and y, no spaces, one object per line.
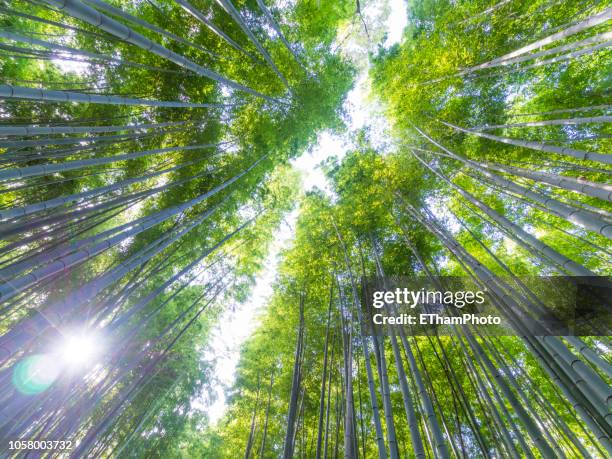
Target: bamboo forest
{"x":198,"y":197}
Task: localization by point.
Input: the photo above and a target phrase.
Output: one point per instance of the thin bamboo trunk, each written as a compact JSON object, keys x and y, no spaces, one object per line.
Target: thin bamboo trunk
{"x":594,"y":189}
{"x":213,"y":27}
{"x":605,"y":37}
{"x":8,"y":91}
{"x":568,"y":383}
{"x":277,"y":29}
{"x":592,"y":21}
{"x":328,"y":408}
{"x":567,"y":110}
{"x":32,"y":130}
{"x":539,"y":146}
{"x":379,"y":345}
{"x":585,"y":218}
{"x":527,"y":421}
{"x":251,"y":439}
{"x":295,"y":387}
{"x":18,"y":212}
{"x":590,"y":354}
{"x":262,"y":449}
{"x":366,"y":353}
{"x":324,"y":375}
{"x":558,"y":122}
{"x":147,"y":25}
{"x":10,"y":342}
{"x":81,"y":11}
{"x":229,"y":7}
{"x":515,"y":231}
{"x":438,"y":445}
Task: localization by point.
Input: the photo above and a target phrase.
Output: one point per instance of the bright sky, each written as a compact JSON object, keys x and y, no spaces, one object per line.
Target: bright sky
{"x":237,"y":324}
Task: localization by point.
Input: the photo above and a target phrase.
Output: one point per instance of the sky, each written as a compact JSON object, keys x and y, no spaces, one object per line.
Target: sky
{"x":236,"y":324}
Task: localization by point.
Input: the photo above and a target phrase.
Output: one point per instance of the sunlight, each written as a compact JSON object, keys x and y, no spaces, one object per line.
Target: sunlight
{"x":231,"y":332}
{"x":67,"y":66}
{"x":309,"y":164}
{"x":396,"y":22}
{"x":79,"y":350}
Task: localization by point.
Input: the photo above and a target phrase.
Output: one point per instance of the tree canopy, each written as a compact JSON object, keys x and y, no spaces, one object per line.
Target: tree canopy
{"x":146,"y":156}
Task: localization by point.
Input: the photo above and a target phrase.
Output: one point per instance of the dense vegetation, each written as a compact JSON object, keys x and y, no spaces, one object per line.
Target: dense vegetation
{"x":139,"y":220}
{"x":444,"y":199}
{"x":140,"y":195}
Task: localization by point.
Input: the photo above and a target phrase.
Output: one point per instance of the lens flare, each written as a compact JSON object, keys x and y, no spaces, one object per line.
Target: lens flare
{"x":35,"y":374}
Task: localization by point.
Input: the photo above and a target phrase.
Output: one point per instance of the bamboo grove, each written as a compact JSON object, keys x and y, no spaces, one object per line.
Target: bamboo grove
{"x":496,"y":167}
{"x":144,"y":169}
{"x":145,"y":152}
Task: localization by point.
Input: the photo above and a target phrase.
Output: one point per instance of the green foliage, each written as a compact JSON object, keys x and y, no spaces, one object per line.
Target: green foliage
{"x":142,"y":400}
{"x":159,"y":324}
{"x":420,"y":81}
